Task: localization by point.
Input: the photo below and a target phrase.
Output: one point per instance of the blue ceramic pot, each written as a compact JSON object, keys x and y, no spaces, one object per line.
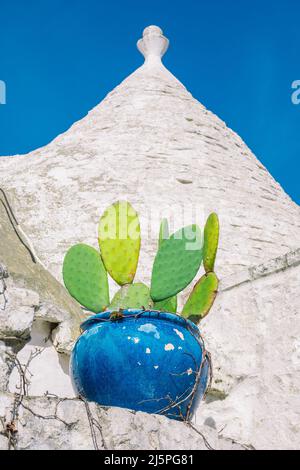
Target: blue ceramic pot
{"x":146,"y":361}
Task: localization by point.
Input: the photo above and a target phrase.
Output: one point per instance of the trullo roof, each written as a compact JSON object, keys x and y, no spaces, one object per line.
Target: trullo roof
{"x":150,"y":142}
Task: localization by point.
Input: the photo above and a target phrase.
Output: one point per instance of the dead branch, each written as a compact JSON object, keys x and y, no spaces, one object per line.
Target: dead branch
{"x":93,"y":423}
{"x":207,"y":444}
{"x":3,"y":286}
{"x":11,"y":428}
{"x":50,"y":417}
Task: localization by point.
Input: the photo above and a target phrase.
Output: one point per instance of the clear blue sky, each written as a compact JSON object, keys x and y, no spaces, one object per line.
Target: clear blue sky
{"x":59,"y":58}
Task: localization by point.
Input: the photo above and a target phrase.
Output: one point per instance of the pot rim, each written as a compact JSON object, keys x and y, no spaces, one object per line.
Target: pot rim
{"x":135,"y":314}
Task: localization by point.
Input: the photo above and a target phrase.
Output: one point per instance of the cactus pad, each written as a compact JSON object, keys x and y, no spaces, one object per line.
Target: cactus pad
{"x":163,"y":231}
{"x":168,"y":305}
{"x":211,"y":241}
{"x":176,"y":263}
{"x":202,"y":298}
{"x":132,"y":296}
{"x":86,"y":278}
{"x":120,"y":241}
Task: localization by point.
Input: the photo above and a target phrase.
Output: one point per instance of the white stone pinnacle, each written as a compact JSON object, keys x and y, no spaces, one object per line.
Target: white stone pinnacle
{"x":153,"y":45}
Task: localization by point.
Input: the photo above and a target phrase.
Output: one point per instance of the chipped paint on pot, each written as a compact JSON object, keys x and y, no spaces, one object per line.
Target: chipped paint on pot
{"x":146,"y":361}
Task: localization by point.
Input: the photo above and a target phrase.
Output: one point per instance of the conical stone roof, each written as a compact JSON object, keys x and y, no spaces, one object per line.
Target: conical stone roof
{"x":150,"y":142}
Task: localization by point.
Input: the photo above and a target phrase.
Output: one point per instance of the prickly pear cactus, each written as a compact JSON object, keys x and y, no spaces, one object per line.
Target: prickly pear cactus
{"x":168,"y":305}
{"x":211,"y":241}
{"x":132,"y":296}
{"x":86,"y":278}
{"x":177,"y":263}
{"x":202,"y":298}
{"x":163,"y":231}
{"x":120,"y":241}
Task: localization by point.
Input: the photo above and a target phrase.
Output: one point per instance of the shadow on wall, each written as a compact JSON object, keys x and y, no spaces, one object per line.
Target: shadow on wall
{"x":48,"y":370}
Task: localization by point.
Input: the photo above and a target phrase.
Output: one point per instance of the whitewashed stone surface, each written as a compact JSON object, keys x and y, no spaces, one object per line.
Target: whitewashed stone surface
{"x":151,"y":143}
{"x":17,"y":318}
{"x":120,"y":429}
{"x":253,"y":335}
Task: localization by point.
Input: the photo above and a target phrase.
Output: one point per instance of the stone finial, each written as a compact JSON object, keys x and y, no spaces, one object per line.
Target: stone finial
{"x":153,"y":45}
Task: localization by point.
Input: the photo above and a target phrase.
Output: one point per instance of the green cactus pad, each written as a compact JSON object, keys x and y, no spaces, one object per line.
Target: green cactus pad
{"x":120,"y":241}
{"x":202,"y":298}
{"x":176,"y":263}
{"x":168,"y":305}
{"x":211,"y":241}
{"x":163,"y":231}
{"x":86,"y":278}
{"x":132,"y":296}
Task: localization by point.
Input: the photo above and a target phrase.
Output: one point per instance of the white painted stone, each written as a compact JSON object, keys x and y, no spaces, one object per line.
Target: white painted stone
{"x":49,"y":371}
{"x":62,"y":336}
{"x":293,"y":258}
{"x":16,"y":319}
{"x":27,"y":326}
{"x":5,"y":366}
{"x":153,"y":45}
{"x":253,"y":334}
{"x":151,"y":143}
{"x":121,"y":429}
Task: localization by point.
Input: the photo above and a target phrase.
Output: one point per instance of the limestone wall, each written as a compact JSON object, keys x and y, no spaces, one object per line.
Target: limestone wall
{"x":51,"y":423}
{"x":253,"y":334}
